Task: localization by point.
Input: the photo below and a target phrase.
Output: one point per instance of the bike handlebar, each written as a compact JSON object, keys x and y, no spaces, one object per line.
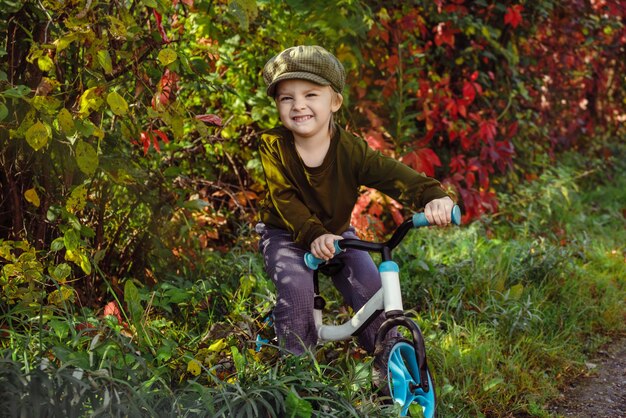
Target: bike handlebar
{"x":418,"y":220}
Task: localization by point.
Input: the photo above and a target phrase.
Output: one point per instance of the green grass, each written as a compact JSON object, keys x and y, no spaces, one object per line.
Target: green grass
{"x":510,"y":307}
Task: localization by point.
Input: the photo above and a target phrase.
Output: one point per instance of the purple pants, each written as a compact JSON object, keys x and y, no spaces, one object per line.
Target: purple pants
{"x":358,"y":281}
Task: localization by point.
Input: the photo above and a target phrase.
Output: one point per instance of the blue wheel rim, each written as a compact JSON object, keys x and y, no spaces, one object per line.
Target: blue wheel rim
{"x":402,"y":373}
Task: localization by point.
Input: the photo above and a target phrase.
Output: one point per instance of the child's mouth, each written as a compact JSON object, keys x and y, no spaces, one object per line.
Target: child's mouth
{"x":301,"y":118}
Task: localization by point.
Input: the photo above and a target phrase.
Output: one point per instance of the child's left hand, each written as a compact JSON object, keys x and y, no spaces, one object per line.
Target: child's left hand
{"x":439,"y":211}
{"x":324,"y":246}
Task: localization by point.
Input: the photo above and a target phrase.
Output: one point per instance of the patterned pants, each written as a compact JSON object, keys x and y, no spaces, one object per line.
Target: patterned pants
{"x":358,"y":281}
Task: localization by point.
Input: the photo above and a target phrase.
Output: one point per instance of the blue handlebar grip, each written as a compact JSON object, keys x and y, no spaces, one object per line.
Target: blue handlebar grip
{"x":313,"y":262}
{"x":419,"y":219}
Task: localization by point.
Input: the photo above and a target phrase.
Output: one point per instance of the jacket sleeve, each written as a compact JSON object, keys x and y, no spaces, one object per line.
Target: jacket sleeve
{"x":285,"y":198}
{"x":396,"y":179}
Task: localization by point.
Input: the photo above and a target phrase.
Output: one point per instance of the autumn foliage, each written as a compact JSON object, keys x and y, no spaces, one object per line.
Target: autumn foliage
{"x":464,"y":87}
{"x":128,"y":132}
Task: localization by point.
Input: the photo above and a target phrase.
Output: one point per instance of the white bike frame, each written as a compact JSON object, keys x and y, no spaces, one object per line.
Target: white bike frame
{"x":388,"y":298}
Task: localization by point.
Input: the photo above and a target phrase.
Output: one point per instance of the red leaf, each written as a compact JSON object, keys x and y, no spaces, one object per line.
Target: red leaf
{"x":444,"y":35}
{"x":461,"y":108}
{"x":376,"y":141}
{"x":470,"y":179}
{"x":396,"y":214}
{"x":457,"y":163}
{"x":155,"y":142}
{"x":161,"y":135}
{"x":512,"y":131}
{"x":466,"y":141}
{"x":513,"y":15}
{"x":452,"y":108}
{"x":469,"y":92}
{"x":210,"y":119}
{"x":423,"y":160}
{"x":376,"y":209}
{"x":113,"y":309}
{"x":487,"y":129}
{"x":159,"y":21}
{"x":166,"y":89}
{"x":145,"y":141}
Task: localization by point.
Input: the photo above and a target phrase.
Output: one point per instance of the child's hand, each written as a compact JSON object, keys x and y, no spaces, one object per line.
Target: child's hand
{"x":324,"y":246}
{"x":439,"y":211}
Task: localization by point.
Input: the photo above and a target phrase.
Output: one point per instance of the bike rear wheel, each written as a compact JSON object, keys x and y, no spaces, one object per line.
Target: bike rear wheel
{"x":400,"y":377}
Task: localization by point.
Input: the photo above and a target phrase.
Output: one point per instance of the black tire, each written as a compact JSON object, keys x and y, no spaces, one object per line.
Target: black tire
{"x":397,"y":376}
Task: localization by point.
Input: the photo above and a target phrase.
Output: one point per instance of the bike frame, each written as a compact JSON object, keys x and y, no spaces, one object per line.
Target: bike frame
{"x":387,"y":299}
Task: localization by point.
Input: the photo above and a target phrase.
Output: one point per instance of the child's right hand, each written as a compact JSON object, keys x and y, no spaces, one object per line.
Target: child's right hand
{"x":324,"y":246}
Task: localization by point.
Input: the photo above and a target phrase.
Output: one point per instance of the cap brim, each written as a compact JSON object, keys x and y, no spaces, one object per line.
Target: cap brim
{"x":271,"y":89}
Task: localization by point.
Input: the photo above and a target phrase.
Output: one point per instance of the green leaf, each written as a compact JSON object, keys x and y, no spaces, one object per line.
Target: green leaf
{"x":84,"y":263}
{"x":298,"y":407}
{"x":86,"y":158}
{"x":117,"y":28}
{"x":31,"y":196}
{"x":45,"y":63}
{"x":77,"y":200}
{"x":61,"y":271}
{"x":38,"y":135}
{"x":104,"y":59}
{"x":164,"y":353}
{"x":66,"y":122}
{"x":131,"y":296}
{"x":84,"y":127}
{"x":4,"y":112}
{"x":61,"y":328}
{"x":195,"y":204}
{"x":117,"y":103}
{"x":58,"y":244}
{"x":59,"y":296}
{"x":17,"y":92}
{"x":515,"y":292}
{"x":167,"y":56}
{"x":238,"y":359}
{"x":65,"y":41}
{"x":246,"y":284}
{"x":71,"y":240}
{"x":89,"y":101}
{"x":244,"y":10}
{"x":492,"y":384}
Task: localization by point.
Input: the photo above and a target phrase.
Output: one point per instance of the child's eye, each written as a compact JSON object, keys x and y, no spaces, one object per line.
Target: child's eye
{"x":284,"y":98}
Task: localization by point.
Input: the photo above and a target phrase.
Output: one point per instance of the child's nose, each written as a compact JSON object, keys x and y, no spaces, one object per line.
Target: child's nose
{"x":298,"y":103}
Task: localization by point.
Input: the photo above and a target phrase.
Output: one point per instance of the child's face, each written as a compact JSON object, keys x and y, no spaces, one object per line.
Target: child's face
{"x":305,"y":108}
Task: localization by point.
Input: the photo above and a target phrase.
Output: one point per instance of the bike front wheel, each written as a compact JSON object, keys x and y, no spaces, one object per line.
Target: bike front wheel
{"x":401,"y":378}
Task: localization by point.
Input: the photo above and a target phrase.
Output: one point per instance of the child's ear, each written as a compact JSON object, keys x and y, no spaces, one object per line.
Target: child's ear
{"x":337,"y":102}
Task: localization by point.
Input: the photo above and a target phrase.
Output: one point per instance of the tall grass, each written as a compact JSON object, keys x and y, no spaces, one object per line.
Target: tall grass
{"x":510,"y":307}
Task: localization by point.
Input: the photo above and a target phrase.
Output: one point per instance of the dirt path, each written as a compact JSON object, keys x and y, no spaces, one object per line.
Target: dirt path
{"x":601,"y":393}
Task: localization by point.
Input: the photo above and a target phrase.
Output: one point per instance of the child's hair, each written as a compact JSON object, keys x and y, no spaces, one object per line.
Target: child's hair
{"x":306,"y":62}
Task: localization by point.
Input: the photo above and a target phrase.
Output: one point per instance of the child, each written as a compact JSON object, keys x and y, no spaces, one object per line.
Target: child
{"x":314,"y":170}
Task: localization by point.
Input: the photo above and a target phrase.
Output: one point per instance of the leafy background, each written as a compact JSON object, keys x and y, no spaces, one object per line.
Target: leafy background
{"x":130,"y":179}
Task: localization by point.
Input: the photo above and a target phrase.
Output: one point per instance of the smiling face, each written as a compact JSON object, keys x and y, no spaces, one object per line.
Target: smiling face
{"x":306,"y":108}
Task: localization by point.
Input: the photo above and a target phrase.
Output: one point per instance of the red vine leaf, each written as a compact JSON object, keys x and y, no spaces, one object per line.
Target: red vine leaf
{"x":423,"y":160}
{"x":159,"y":21}
{"x":513,"y":15}
{"x":210,"y":119}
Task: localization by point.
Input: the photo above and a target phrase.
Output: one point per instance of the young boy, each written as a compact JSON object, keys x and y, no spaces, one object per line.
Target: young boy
{"x":314,"y":170}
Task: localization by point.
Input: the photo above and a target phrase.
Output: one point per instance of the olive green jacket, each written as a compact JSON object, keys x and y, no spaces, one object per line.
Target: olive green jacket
{"x":312,"y":201}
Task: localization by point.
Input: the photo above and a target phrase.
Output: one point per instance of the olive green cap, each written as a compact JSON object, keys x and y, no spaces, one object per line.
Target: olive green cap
{"x":306,"y":62}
